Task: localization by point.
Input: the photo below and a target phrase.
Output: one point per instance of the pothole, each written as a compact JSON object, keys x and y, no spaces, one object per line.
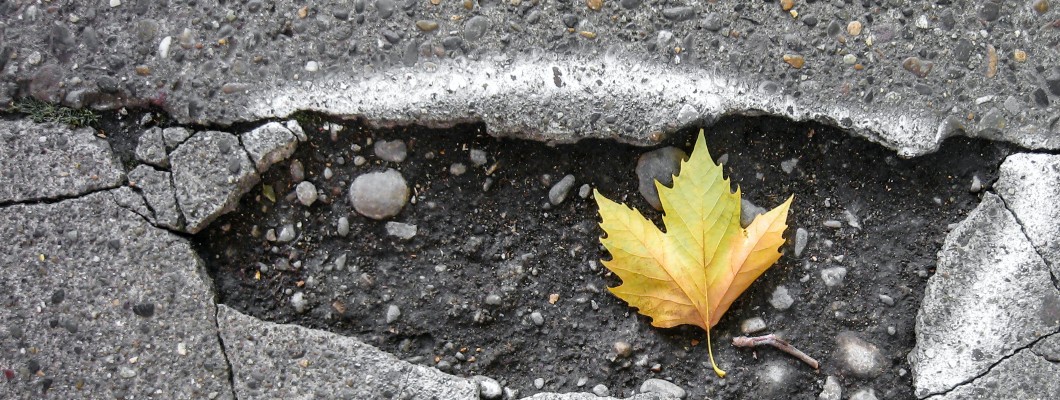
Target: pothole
{"x":498,"y":282}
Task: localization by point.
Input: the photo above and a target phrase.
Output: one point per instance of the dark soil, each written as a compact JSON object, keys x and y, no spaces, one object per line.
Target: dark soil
{"x":508,"y":241}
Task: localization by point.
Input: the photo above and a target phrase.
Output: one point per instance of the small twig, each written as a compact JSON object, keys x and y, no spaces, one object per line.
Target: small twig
{"x":780,"y":344}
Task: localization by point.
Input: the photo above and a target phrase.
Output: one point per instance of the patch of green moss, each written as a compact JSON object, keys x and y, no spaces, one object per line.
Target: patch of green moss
{"x":41,"y":111}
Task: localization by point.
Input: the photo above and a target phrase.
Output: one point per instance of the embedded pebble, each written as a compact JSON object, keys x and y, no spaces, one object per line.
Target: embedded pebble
{"x":623,"y":349}
{"x":658,"y":165}
{"x":802,"y":237}
{"x":663,"y":387}
{"x":832,"y":390}
{"x":752,"y":325}
{"x":392,"y":313}
{"x":833,"y":277}
{"x":287,"y":234}
{"x":781,"y":299}
{"x":401,"y":230}
{"x":457,"y":169}
{"x":858,"y":357}
{"x":298,"y":302}
{"x":328,"y":173}
{"x":488,"y":388}
{"x":834,"y":224}
{"x":582,"y":381}
{"x":854,"y":28}
{"x":584,"y":191}
{"x":359,"y":161}
{"x":539,"y":383}
{"x":340,"y":262}
{"x":864,"y":394}
{"x":379,"y":195}
{"x":537,"y":318}
{"x":478,"y":157}
{"x":306,"y":192}
{"x":601,"y":390}
{"x":343,"y":226}
{"x":493,"y":299}
{"x":123,"y":371}
{"x":394,"y":150}
{"x":888,"y":300}
{"x":559,"y":191}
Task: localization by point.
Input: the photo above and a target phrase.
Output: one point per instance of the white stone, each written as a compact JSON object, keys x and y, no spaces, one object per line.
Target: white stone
{"x":781,"y":299}
{"x":752,"y":325}
{"x":832,"y":390}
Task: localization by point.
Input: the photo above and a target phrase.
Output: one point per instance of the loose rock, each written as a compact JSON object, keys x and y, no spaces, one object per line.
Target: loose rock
{"x":379,"y":195}
{"x":662,"y":387}
{"x":559,"y":191}
{"x":781,"y":299}
{"x":393,"y":151}
{"x":488,"y":388}
{"x":401,"y":230}
{"x":306,"y":192}
{"x":864,"y":394}
{"x":393,"y":312}
{"x":287,"y":234}
{"x":802,"y":237}
{"x":832,"y":390}
{"x":343,"y":226}
{"x":833,"y":277}
{"x":858,"y":357}
{"x":752,"y":325}
{"x":658,"y":165}
{"x":601,"y":390}
{"x":298,"y":302}
{"x":623,"y":349}
{"x":748,"y":212}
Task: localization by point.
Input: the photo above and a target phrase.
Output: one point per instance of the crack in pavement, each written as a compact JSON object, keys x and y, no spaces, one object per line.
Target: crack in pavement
{"x":55,"y":199}
{"x":990,"y":369}
{"x":224,"y":349}
{"x":1023,"y":229}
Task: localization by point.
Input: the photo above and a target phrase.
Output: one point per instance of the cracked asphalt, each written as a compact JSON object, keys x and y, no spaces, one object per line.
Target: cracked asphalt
{"x":102,"y":296}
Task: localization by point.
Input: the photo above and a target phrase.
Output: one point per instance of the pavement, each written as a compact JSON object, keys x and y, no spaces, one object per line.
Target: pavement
{"x":104,"y":298}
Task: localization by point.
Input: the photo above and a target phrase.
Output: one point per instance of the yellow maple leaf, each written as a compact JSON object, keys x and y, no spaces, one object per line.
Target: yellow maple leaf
{"x":693,"y":272}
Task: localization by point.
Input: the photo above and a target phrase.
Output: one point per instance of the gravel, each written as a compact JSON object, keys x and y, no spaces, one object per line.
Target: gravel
{"x":663,"y":387}
{"x":832,"y":390}
{"x":343,"y":226}
{"x":307,"y":193}
{"x":802,"y":237}
{"x":781,"y":299}
{"x":392,"y":313}
{"x":488,"y":388}
{"x":601,"y":390}
{"x":748,"y":212}
{"x":537,"y":318}
{"x":298,"y":302}
{"x":478,"y":157}
{"x":752,"y":325}
{"x":658,"y":165}
{"x":559,"y":191}
{"x":401,"y":230}
{"x":287,"y":234}
{"x":379,"y":195}
{"x":858,"y":357}
{"x":393,"y":151}
{"x":834,"y":276}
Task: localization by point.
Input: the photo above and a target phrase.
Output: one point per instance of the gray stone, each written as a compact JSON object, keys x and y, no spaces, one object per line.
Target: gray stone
{"x":601,"y":390}
{"x":537,"y":318}
{"x":478,"y":157}
{"x":157,"y":189}
{"x":297,"y":171}
{"x":781,"y":299}
{"x":393,"y":151}
{"x":788,"y":166}
{"x":658,"y":165}
{"x":379,"y":195}
{"x":864,"y":394}
{"x":834,"y":276}
{"x":49,"y":161}
{"x":752,"y":325}
{"x":207,"y":187}
{"x":832,"y":390}
{"x":393,"y":312}
{"x":150,"y":148}
{"x":858,"y":357}
{"x":749,"y":211}
{"x":1030,"y":186}
{"x":584,"y":191}
{"x":560,"y":190}
{"x":296,"y":130}
{"x":327,"y":362}
{"x":401,"y":230}
{"x":343,"y":226}
{"x":457,"y":169}
{"x":991,"y":295}
{"x":488,"y":388}
{"x":298,"y":302}
{"x":174,"y":136}
{"x":269,"y":144}
{"x":593,"y":396}
{"x":101,"y":258}
{"x":663,"y":387}
{"x":1024,"y":375}
{"x":306,"y":193}
{"x":287,"y":234}
{"x":802,"y":238}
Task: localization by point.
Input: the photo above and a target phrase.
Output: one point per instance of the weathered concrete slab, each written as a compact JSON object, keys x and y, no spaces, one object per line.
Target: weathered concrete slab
{"x":1030,"y":186}
{"x":151,"y":148}
{"x":269,"y":144}
{"x":157,"y":189}
{"x":591,"y":396}
{"x":211,"y":171}
{"x":904,"y":73}
{"x":1025,"y":375}
{"x":49,"y":161}
{"x":273,"y":361}
{"x":100,"y":304}
{"x":990,"y":296}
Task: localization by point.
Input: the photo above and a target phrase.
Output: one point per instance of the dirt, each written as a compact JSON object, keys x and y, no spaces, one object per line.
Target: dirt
{"x":510,"y":242}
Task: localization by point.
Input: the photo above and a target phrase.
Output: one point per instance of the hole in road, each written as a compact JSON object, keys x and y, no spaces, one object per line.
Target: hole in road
{"x":484,"y":263}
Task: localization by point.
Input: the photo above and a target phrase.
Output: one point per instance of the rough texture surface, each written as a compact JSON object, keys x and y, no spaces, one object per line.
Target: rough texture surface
{"x":628,"y":71}
{"x":1025,"y":375}
{"x":210,"y":172}
{"x":272,"y":361}
{"x":990,"y":296}
{"x":591,"y":396}
{"x":269,"y":144}
{"x":49,"y":161}
{"x":157,"y":189}
{"x":99,"y":304}
{"x":1030,"y":186}
{"x":151,"y":148}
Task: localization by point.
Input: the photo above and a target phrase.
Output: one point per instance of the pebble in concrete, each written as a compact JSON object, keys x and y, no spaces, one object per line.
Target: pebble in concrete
{"x":323,"y":365}
{"x":49,"y":161}
{"x":379,"y":195}
{"x":991,"y":295}
{"x":663,"y":387}
{"x":106,"y":267}
{"x":859,"y":357}
{"x":658,"y":165}
{"x":269,"y":144}
{"x":157,"y":188}
{"x":210,"y":172}
{"x":151,"y":149}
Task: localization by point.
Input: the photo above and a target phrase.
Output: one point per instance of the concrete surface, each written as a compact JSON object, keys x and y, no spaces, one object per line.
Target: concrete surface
{"x":906,"y":74}
{"x":210,"y":173}
{"x":1030,"y":186}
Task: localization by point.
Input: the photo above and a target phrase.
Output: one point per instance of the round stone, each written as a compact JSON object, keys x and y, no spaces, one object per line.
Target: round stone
{"x":379,"y":195}
{"x":658,"y":165}
{"x":306,"y":192}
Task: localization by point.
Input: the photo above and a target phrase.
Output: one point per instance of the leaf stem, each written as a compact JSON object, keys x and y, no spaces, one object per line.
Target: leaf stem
{"x":780,"y":344}
{"x":710,"y":351}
